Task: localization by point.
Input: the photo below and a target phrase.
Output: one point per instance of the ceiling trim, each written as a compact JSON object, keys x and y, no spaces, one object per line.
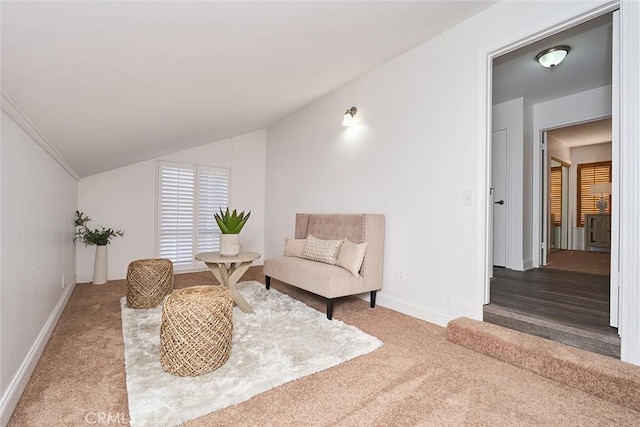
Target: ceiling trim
{"x":12,"y":110}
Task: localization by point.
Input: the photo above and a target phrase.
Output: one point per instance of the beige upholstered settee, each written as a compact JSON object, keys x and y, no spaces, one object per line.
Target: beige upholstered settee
{"x":334,"y":281}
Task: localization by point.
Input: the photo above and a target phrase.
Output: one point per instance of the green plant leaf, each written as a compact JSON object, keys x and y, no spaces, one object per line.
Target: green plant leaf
{"x":97,"y":236}
{"x":231,"y":223}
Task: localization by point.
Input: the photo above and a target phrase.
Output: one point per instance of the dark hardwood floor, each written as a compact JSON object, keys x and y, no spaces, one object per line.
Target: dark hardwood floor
{"x":563,"y":306}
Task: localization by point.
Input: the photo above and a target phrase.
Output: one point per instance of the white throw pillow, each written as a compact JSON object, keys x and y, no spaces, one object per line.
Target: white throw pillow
{"x":321,"y":250}
{"x":351,"y":256}
{"x":294,"y":247}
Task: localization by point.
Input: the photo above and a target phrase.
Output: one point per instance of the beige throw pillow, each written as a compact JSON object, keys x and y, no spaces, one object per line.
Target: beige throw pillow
{"x":321,"y":250}
{"x":351,"y":256}
{"x":294,"y":247}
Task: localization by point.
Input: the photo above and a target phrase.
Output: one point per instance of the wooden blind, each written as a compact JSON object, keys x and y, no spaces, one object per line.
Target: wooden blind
{"x":589,"y":174}
{"x":556,"y":194}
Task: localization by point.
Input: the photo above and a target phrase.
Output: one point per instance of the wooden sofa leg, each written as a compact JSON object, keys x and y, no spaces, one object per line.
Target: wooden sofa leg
{"x":267,"y":281}
{"x":373,"y":299}
{"x":329,"y":308}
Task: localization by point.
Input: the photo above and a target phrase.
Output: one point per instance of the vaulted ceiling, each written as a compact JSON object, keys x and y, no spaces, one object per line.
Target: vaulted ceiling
{"x":113,"y":83}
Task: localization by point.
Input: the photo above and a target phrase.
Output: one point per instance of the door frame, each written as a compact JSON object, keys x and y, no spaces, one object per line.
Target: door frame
{"x":543,"y":181}
{"x":485,"y":128}
{"x":629,"y":92}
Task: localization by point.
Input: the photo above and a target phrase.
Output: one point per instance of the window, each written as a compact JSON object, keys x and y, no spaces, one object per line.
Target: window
{"x":188,"y":196}
{"x":589,"y":174}
{"x":556,"y":195}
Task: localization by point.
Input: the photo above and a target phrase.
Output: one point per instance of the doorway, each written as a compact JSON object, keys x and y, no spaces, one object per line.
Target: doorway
{"x":578,"y":159}
{"x":579,"y":162}
{"x":556,"y":227}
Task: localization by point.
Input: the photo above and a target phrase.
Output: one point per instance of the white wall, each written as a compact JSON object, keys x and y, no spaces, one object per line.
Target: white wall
{"x":528,"y":203}
{"x":38,"y":200}
{"x":558,"y":150}
{"x":589,"y":154}
{"x":577,"y":108}
{"x":125,"y":198}
{"x":247,"y":186}
{"x":411,"y":158}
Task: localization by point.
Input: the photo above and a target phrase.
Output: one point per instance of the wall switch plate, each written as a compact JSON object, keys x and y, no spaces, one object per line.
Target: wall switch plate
{"x":63,"y":281}
{"x":401,"y":274}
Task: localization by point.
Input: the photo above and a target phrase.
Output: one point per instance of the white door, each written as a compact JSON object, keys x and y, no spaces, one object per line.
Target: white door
{"x":499,"y":196}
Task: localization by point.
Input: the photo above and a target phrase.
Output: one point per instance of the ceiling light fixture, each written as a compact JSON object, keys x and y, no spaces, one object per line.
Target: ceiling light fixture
{"x":348,"y":117}
{"x":552,"y":56}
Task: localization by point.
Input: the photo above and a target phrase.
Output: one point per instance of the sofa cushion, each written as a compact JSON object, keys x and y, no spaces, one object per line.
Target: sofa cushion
{"x":294,"y":247}
{"x":351,"y":256}
{"x":329,"y":281}
{"x":321,"y":250}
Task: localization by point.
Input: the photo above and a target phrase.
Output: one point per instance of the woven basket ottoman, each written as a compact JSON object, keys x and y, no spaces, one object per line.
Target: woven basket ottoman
{"x":196,"y":330}
{"x":148,"y":282}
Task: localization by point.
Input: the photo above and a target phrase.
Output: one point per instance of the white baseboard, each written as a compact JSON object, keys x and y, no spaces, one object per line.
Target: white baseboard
{"x":462,"y":308}
{"x":528,"y":264}
{"x":18,"y":383}
{"x":409,"y":308}
{"x":87,"y":277}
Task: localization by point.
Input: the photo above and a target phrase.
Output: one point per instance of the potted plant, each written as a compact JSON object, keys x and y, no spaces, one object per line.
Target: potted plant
{"x":100,"y":237}
{"x":230,"y":226}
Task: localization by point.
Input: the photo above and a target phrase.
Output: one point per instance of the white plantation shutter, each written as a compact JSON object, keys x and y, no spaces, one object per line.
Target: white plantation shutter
{"x":176,"y":213}
{"x":213,"y":194}
{"x":188,"y":196}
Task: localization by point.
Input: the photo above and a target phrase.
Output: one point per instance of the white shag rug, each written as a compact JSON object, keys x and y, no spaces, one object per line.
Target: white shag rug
{"x":284,"y":340}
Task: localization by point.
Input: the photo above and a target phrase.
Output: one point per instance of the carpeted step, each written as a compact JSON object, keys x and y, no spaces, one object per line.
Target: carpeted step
{"x":596,"y":342}
{"x":602,"y":376}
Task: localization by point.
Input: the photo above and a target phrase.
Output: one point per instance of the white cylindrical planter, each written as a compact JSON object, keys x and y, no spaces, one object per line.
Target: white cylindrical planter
{"x":100,"y":266}
{"x":229,"y":244}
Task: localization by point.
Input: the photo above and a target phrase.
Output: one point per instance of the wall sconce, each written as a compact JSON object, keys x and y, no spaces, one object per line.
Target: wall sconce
{"x":552,"y":56}
{"x":348,"y":117}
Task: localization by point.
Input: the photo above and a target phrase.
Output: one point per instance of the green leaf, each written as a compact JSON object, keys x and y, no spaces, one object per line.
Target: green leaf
{"x":97,"y":236}
{"x":231,"y":223}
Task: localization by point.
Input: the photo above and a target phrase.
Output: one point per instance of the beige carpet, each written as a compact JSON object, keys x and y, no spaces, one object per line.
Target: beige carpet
{"x":609,"y":378}
{"x":282,"y":340}
{"x":416,"y":378}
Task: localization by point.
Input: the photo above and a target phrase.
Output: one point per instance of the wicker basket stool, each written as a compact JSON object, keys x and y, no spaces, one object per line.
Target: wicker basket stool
{"x":196,"y":330}
{"x":148,"y":282}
